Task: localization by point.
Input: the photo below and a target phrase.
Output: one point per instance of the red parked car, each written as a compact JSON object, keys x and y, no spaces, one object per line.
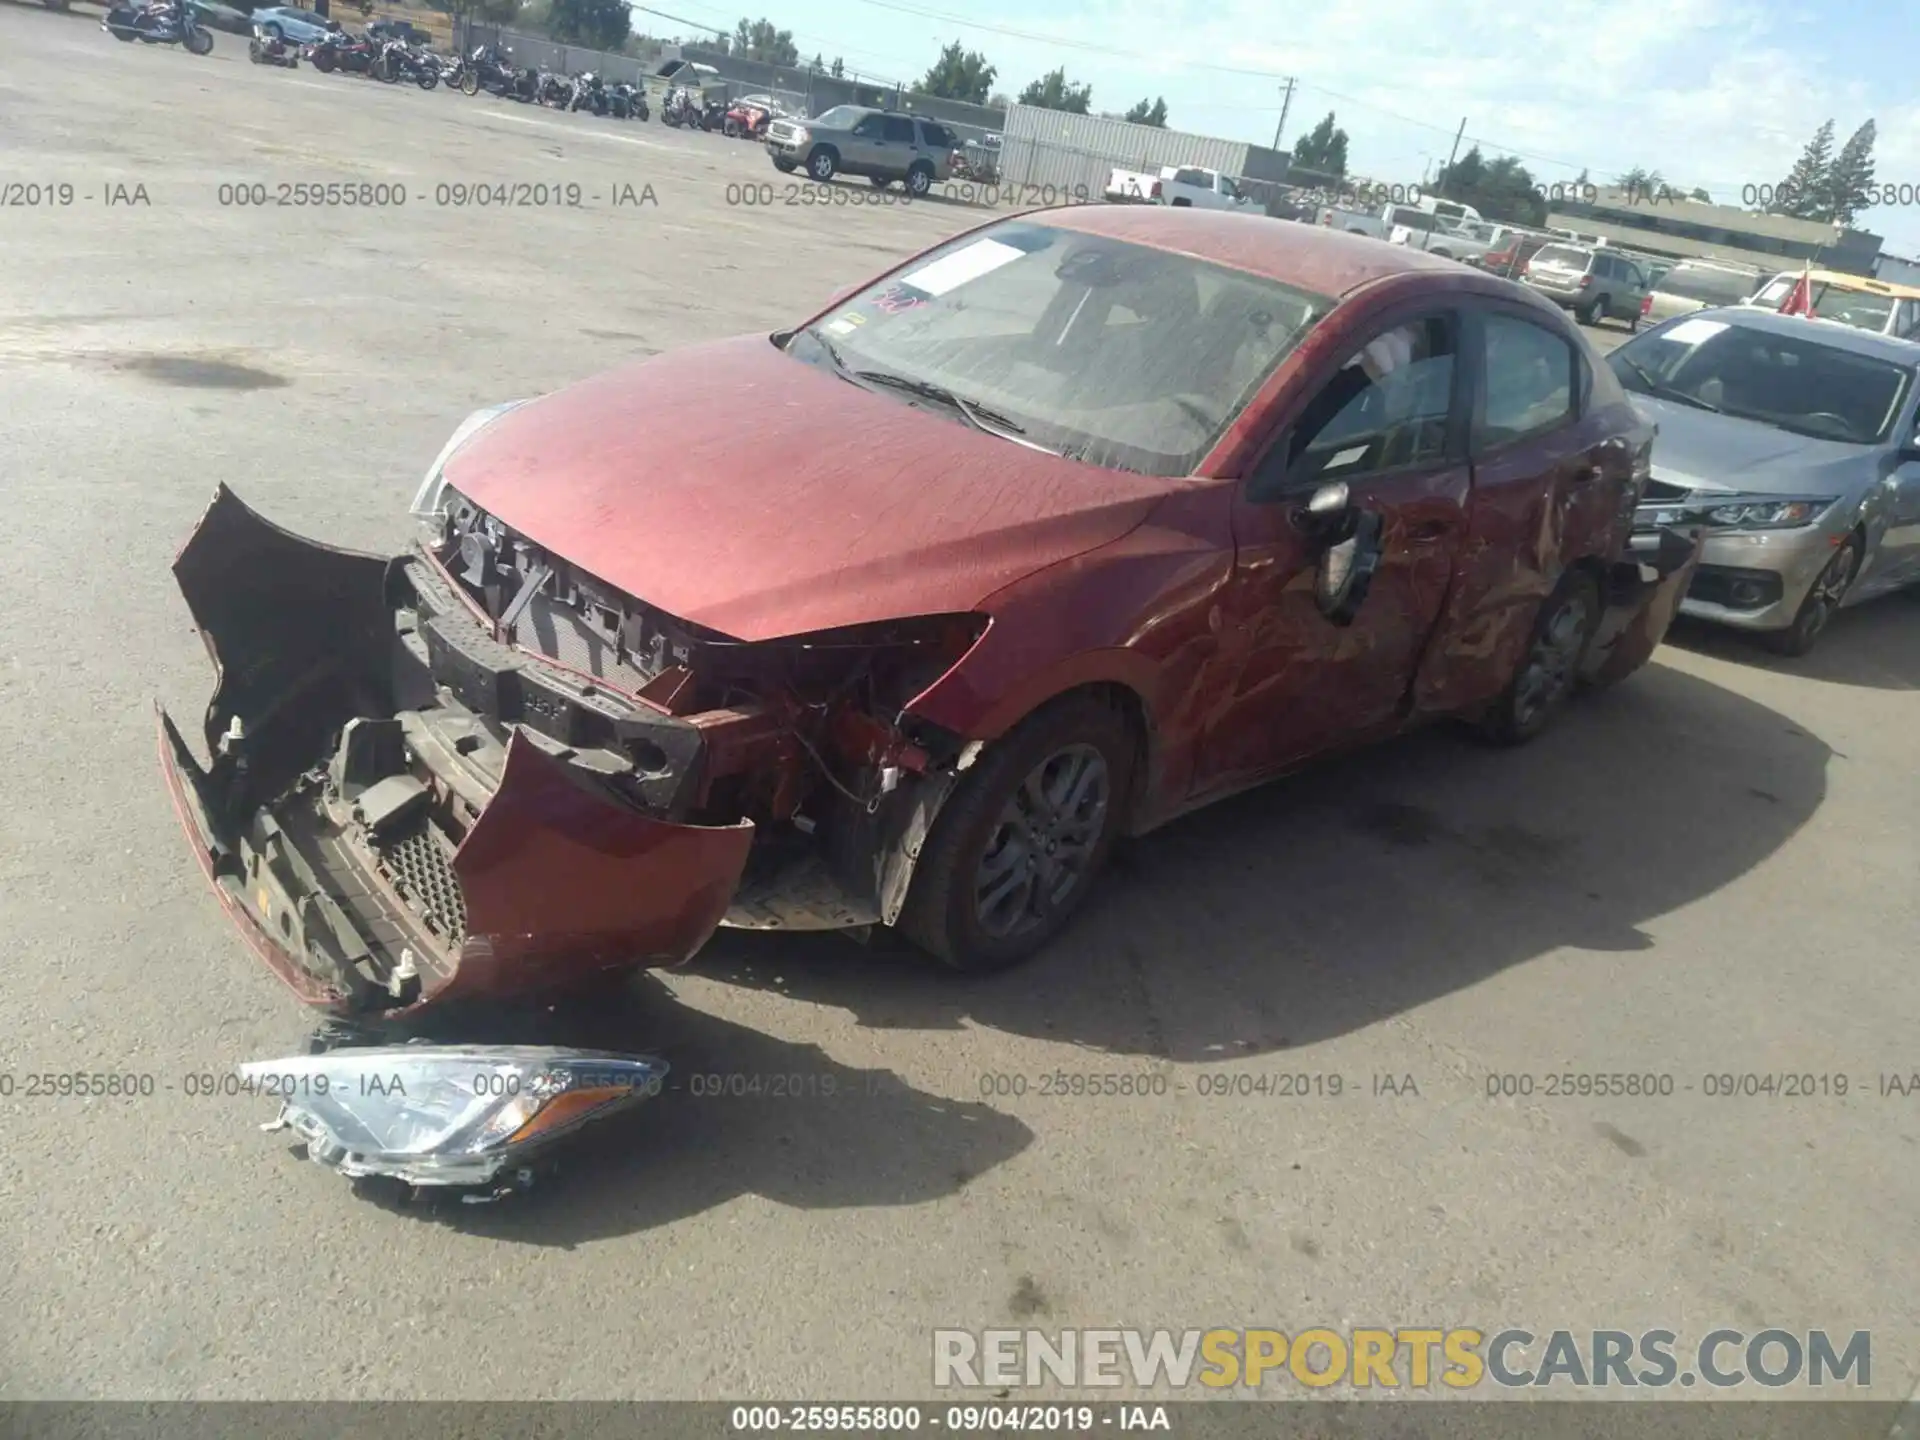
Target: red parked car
{"x":1076,"y":522}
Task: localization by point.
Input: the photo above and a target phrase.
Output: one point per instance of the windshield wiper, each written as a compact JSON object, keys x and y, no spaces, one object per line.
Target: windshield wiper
{"x":1659,"y":387}
{"x":975,"y":414}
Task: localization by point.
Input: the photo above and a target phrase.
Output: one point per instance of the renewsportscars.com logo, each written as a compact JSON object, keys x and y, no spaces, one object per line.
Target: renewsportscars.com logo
{"x":1366,"y":1359}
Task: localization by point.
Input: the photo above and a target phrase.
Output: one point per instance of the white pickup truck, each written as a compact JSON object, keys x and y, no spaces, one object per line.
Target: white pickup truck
{"x":1190,"y":185}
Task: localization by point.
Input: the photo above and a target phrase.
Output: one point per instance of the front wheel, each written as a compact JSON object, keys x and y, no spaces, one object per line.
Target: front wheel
{"x":427,"y":79}
{"x":1822,"y":603}
{"x":1016,"y":850}
{"x":470,"y":83}
{"x":1550,"y":668}
{"x":200,"y":42}
{"x":785,"y":167}
{"x":822,"y":164}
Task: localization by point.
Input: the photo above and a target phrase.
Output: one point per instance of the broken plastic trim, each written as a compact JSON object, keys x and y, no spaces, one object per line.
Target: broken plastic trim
{"x":1643,"y":595}
{"x":463,"y":1116}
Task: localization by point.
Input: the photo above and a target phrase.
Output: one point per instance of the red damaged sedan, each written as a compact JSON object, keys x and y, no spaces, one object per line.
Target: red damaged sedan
{"x":1070,"y":525}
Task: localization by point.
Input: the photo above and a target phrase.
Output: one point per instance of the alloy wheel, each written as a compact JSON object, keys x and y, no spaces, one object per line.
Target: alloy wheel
{"x":1043,"y":846}
{"x":1552,"y":665}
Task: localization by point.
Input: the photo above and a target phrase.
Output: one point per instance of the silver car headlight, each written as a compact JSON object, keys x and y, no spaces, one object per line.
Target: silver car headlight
{"x":445,"y":1114}
{"x":1767,"y":514}
{"x":428,"y":501}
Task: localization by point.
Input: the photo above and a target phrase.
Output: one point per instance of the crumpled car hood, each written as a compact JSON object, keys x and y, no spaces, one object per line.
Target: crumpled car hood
{"x":758,"y":496}
{"x":1705,"y":451}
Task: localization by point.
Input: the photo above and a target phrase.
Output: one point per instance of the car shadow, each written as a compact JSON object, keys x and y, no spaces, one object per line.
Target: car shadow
{"x":741,"y":1113}
{"x":1369,"y":885}
{"x":1876,"y":644}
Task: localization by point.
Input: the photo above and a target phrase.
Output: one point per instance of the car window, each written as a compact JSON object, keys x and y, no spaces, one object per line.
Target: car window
{"x":937,"y":137}
{"x":1564,"y":257}
{"x":1529,"y":380}
{"x":871,"y":125}
{"x":1709,"y":284}
{"x":899,"y":129}
{"x":1111,"y":353}
{"x":1853,"y":307}
{"x":1387,"y":407}
{"x":1793,"y":382}
{"x":840,"y":117}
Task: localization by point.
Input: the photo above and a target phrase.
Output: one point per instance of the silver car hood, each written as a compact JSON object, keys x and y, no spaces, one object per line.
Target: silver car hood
{"x":1705,"y":451}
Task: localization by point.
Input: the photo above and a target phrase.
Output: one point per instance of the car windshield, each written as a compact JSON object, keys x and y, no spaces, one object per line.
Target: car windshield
{"x":1791,"y":382}
{"x":840,"y":117}
{"x":1562,"y":257}
{"x":1852,"y":307}
{"x":1110,"y":353}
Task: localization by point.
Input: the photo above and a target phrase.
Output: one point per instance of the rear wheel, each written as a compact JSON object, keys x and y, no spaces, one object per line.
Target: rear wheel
{"x":920,"y":180}
{"x":470,"y":82}
{"x":1020,"y":841}
{"x":1550,"y":667}
{"x":1595,"y":312}
{"x":1822,"y":603}
{"x":785,"y":167}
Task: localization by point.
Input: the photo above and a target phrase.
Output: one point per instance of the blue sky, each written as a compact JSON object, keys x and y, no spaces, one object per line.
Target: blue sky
{"x":1715,"y":93}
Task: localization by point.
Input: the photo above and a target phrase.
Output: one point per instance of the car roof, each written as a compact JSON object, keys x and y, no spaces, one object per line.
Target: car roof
{"x":1312,"y":257}
{"x":1827,"y":332}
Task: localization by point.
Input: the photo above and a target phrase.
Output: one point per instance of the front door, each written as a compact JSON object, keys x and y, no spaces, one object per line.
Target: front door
{"x":1390,"y":424}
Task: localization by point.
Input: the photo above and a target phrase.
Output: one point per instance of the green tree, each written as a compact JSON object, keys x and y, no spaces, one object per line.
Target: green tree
{"x":1698,"y":194}
{"x":1800,"y":194}
{"x":959,"y":74}
{"x":1323,"y":149}
{"x":759,"y":40}
{"x":1152,"y":113}
{"x":1500,"y":189}
{"x":1850,"y":179}
{"x":1053,"y":91}
{"x":601,"y":24}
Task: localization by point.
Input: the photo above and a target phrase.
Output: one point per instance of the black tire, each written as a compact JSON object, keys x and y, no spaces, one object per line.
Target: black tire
{"x":200,"y":42}
{"x":731,"y":129}
{"x":1549,"y":668}
{"x":1595,"y":312}
{"x":1183,"y":204}
{"x":470,"y":83}
{"x":980,"y":825}
{"x":785,"y":167}
{"x":823,"y":163}
{"x":427,"y":79}
{"x":323,"y":61}
{"x":1822,"y":603}
{"x":920,"y":180}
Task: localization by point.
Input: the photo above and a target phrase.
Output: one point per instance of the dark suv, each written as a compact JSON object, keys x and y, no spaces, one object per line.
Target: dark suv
{"x":883,"y":145}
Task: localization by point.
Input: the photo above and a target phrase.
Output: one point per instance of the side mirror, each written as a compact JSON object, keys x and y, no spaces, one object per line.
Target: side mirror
{"x":1345,"y":570}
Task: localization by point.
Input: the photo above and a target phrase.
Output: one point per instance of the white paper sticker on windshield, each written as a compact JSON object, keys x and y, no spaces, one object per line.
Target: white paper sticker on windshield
{"x":951,"y":271}
{"x":1692,"y":332}
{"x":1345,"y":457}
{"x":841,"y":327}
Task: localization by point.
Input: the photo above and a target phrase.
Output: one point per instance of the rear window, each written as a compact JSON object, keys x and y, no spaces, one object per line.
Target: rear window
{"x":1193,"y":177}
{"x":1562,"y":257}
{"x":1709,"y":284}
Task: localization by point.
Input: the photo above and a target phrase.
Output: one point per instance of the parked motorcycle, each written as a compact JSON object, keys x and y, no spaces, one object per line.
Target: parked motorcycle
{"x":454,"y":71}
{"x":713,"y":115}
{"x":353,"y":54}
{"x":171,"y":22}
{"x":270,"y":47}
{"x":397,"y":61}
{"x":555,"y":90}
{"x":626,"y":103}
{"x":589,"y":93}
{"x":682,"y":111}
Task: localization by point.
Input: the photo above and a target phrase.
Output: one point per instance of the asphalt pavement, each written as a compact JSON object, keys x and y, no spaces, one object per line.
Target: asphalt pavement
{"x":1706,"y":871}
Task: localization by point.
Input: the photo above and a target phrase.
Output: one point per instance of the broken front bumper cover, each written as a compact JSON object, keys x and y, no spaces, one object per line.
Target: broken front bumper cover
{"x":1643,"y":594}
{"x":400,"y":811}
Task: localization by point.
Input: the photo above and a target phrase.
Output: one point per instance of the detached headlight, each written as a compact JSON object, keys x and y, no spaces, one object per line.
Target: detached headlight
{"x":1767,"y":514}
{"x":427,"y":500}
{"x":445,"y":1114}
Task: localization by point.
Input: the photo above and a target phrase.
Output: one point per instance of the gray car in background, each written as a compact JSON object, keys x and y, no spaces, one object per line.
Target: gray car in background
{"x":1793,"y":442}
{"x":883,"y":145}
{"x":1590,"y":280}
{"x":289,"y":22}
{"x":1701,"y":285}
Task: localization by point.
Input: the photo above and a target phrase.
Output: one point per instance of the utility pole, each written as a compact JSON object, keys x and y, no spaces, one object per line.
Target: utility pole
{"x":1454,"y":154}
{"x":1285,"y":104}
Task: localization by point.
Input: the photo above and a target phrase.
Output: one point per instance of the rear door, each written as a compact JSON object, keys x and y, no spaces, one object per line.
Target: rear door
{"x":866,"y":143}
{"x":896,"y":150}
{"x":1550,"y":484}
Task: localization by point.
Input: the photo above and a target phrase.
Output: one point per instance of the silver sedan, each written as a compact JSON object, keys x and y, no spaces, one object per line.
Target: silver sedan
{"x":1793,"y":442}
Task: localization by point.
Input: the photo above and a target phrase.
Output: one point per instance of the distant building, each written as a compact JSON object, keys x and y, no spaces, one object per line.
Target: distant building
{"x":1662,"y":223}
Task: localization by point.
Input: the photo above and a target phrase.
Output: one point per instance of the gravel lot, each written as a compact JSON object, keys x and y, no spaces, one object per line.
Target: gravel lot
{"x":1708,"y":870}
